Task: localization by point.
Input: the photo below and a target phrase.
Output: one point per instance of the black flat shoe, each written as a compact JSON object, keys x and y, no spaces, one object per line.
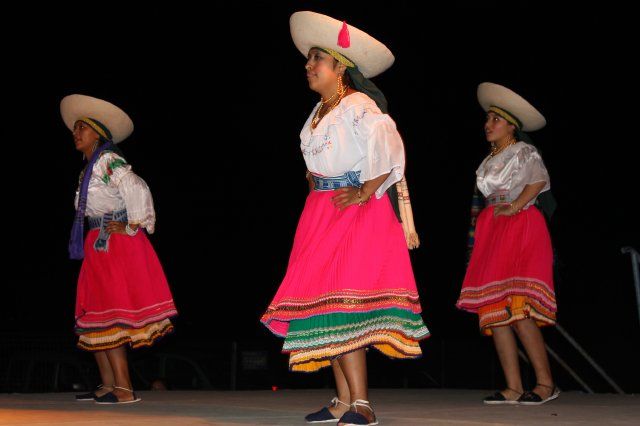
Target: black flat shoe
{"x":498,"y":398}
{"x":90,"y":396}
{"x":111,"y":398}
{"x":532,"y":398}
{"x":86,"y":396}
{"x":324,"y":415}
{"x":353,"y":418}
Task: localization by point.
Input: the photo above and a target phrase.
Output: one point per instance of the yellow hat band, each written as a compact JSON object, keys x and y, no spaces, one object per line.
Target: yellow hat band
{"x":97,"y":126}
{"x":339,"y":57}
{"x":507,"y":116}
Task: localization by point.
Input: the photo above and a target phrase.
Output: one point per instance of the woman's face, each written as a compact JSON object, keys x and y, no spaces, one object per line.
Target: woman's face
{"x":497,"y":128}
{"x":84,"y":136}
{"x":322,"y":72}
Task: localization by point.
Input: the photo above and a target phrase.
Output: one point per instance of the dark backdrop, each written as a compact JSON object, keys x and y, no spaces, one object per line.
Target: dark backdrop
{"x":218,"y":96}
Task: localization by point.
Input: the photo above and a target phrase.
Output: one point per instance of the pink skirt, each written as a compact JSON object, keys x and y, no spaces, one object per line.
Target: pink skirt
{"x":510,"y":274}
{"x":350,"y":262}
{"x":123,"y":295}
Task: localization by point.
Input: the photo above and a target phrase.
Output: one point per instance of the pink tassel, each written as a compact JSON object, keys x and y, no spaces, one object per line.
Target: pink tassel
{"x":343,"y":37}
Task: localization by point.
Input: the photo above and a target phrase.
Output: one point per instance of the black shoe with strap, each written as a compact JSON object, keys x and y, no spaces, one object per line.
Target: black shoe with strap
{"x":324,"y":415}
{"x":91,"y":395}
{"x":498,"y":398}
{"x":111,"y":398}
{"x":353,"y":418}
{"x":532,"y":398}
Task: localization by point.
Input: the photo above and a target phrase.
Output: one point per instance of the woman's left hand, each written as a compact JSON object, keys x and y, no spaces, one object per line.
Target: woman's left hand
{"x":503,"y":210}
{"x":346,"y":197}
{"x":116,"y":228}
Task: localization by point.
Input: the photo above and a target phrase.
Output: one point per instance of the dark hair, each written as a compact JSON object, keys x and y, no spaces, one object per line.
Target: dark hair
{"x":346,"y":78}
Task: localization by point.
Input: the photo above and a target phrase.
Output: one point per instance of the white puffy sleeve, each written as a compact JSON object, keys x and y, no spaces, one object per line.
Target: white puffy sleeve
{"x":530,"y":168}
{"x":382,"y":144}
{"x":137,"y":197}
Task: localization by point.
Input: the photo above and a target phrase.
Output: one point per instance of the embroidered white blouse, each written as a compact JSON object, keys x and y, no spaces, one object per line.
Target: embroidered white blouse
{"x":114,"y":186}
{"x":511,"y":170}
{"x":354,"y":136}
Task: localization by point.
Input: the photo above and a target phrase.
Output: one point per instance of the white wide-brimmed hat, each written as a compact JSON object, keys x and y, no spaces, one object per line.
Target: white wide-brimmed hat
{"x":310,"y":29}
{"x":76,"y":107}
{"x":494,"y":95}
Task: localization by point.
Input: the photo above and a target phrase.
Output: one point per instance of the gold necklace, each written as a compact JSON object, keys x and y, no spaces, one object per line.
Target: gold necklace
{"x":495,"y":150}
{"x":342,"y":90}
{"x":330,"y":99}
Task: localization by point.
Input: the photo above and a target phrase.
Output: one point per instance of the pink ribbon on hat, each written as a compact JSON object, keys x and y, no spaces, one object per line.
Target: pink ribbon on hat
{"x":343,"y":37}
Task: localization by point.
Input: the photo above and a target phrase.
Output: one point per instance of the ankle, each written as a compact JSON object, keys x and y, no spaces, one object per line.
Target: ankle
{"x":342,"y":399}
{"x":363,"y":407}
{"x":515,"y":388}
{"x":512,"y":394}
{"x":359,"y":398}
{"x":339,"y":405}
{"x":544,"y":389}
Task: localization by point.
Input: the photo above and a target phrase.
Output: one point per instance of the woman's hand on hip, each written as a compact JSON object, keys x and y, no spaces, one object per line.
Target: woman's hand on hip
{"x":119,"y":227}
{"x":348,"y":196}
{"x":504,"y":210}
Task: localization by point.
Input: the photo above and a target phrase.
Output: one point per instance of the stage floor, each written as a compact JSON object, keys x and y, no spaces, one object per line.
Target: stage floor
{"x":288,"y":407}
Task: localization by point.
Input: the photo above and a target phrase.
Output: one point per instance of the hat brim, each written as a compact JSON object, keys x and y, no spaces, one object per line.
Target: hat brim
{"x":75,"y":107}
{"x":491,"y":94}
{"x":310,"y":29}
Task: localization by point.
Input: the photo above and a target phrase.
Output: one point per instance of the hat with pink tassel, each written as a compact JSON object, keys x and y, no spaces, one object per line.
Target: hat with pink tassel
{"x":310,"y":29}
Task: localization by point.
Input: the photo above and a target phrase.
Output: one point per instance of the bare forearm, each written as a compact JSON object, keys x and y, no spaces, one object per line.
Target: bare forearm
{"x":371,"y":186}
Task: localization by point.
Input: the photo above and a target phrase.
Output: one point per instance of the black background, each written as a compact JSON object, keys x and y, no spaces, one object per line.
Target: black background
{"x":218,"y":96}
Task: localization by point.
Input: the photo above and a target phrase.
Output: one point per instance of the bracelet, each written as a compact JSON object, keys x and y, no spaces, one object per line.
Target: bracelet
{"x":130,"y":232}
{"x":362,"y":202}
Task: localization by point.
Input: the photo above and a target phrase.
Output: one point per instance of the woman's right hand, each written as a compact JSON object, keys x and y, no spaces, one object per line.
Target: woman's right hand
{"x":505,"y":210}
{"x":501,"y":210}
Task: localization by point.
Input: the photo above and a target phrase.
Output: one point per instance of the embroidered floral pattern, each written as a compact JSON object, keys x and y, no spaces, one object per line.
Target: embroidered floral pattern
{"x":356,"y":122}
{"x":113,"y":164}
{"x":325,"y":144}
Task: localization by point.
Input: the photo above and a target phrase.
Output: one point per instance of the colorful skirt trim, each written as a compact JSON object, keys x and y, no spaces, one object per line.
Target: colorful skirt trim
{"x":127,"y":317}
{"x":510,"y":274}
{"x":349,"y":285}
{"x":313,"y":342}
{"x":513,"y":309}
{"x":114,"y":337}
{"x":348,"y":300}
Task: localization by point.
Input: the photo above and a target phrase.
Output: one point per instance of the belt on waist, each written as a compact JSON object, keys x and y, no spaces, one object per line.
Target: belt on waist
{"x":101,"y":222}
{"x":324,"y":183}
{"x":498,"y":198}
